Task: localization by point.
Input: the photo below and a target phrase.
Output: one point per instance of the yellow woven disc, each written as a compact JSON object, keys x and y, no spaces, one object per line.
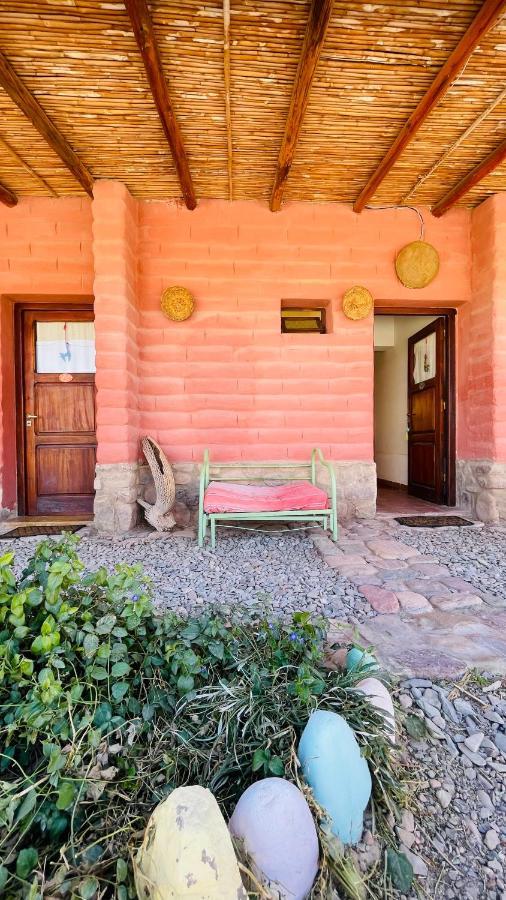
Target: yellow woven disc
{"x":177,"y":303}
{"x":417,"y":264}
{"x":357,"y":302}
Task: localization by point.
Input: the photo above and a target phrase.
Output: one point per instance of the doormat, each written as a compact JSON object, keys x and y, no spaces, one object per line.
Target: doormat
{"x":36,"y":530}
{"x":433,"y":521}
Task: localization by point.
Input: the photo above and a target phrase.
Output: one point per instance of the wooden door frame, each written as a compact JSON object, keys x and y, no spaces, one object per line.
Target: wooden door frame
{"x":57,"y":305}
{"x":449,"y":314}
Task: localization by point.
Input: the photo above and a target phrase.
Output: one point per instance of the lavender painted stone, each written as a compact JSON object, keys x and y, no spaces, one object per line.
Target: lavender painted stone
{"x":337,"y":773}
{"x":274,"y":822}
{"x":380,"y":698}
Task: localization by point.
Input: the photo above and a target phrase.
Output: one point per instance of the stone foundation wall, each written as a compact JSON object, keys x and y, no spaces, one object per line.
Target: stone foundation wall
{"x":116,"y":490}
{"x":481,"y":488}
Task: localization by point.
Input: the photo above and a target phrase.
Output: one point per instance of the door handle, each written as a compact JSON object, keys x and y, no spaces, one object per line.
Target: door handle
{"x":29,"y":417}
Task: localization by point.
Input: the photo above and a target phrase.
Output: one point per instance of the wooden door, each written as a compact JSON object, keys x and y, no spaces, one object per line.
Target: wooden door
{"x":57,"y":419}
{"x":427,"y":414}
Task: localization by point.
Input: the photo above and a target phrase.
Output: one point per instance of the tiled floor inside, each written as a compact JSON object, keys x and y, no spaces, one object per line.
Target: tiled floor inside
{"x":391,"y":502}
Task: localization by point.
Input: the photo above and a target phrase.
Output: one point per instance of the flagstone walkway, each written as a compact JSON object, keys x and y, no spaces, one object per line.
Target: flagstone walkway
{"x":429,"y":622}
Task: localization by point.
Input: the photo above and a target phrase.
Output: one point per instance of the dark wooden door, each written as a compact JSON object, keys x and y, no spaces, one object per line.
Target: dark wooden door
{"x":58,"y":411}
{"x":427,"y":456}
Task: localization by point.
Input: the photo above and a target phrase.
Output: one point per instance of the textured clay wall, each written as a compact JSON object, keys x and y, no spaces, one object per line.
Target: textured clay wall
{"x":45,"y":252}
{"x":227,"y":379}
{"x":482,"y":468}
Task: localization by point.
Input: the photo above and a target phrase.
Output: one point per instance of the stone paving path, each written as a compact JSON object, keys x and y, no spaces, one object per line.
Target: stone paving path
{"x":429,"y":622}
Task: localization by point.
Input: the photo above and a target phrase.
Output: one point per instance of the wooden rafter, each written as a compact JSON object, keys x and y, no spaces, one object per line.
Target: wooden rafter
{"x":6,"y":196}
{"x":456,"y":144}
{"x":316,"y":29}
{"x":25,"y":100}
{"x":23,"y":163}
{"x":487,"y":165}
{"x":143,"y":30}
{"x":487,"y":17}
{"x":226,"y":75}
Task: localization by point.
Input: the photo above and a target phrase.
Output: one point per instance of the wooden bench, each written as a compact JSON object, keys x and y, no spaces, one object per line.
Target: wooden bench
{"x":234,"y":498}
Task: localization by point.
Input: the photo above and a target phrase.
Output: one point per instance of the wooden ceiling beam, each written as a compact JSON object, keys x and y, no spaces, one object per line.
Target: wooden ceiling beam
{"x":143,"y":30}
{"x":23,"y":163}
{"x":226,"y":75}
{"x":314,"y":37}
{"x":6,"y":196}
{"x":25,"y":100}
{"x":487,"y":165}
{"x":488,"y":15}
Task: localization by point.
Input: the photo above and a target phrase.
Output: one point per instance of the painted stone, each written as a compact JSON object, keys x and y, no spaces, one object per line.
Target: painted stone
{"x":356,"y":657}
{"x":337,"y":773}
{"x":380,"y":698}
{"x":274,"y":822}
{"x":187,"y":851}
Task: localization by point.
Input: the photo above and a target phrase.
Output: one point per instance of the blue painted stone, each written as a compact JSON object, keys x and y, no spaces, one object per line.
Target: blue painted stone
{"x":356,"y":657}
{"x":337,"y":773}
{"x":273,"y":820}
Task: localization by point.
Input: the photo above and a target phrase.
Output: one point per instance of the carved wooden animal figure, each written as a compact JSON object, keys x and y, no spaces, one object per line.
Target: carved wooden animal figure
{"x":159,"y":514}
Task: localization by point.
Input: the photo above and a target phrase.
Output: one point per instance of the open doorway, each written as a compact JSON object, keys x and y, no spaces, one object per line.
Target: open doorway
{"x":414,"y":422}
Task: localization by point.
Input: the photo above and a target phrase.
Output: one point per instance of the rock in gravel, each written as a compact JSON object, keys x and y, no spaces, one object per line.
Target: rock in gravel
{"x":427,"y":709}
{"x":448,"y":709}
{"x":444,"y":798}
{"x":416,"y":683}
{"x":431,"y":696}
{"x":472,"y":830}
{"x":476,"y":758}
{"x":405,"y":837}
{"x":492,"y":716}
{"x":419,"y":866}
{"x":407,"y":820}
{"x":492,"y":839}
{"x":484,"y":799}
{"x":405,"y":701}
{"x":500,"y":741}
{"x":463,"y":707}
{"x":474,"y":741}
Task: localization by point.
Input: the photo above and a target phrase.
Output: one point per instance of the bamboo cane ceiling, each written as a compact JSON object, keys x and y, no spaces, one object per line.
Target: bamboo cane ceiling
{"x":81,"y":61}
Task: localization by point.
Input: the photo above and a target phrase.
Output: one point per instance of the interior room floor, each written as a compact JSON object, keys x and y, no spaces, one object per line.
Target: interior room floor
{"x":391,"y":502}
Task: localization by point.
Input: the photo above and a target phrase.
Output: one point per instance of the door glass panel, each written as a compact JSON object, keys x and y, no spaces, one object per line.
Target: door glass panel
{"x":65,"y":347}
{"x":424,"y":359}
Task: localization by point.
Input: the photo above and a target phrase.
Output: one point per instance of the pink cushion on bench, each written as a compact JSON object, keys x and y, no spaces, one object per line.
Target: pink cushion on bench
{"x":223,"y":497}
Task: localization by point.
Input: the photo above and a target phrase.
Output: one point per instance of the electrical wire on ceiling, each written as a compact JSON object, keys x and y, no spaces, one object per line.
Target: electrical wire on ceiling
{"x":413,"y":208}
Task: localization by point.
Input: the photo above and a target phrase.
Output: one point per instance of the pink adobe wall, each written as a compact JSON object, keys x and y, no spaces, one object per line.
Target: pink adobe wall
{"x":115,"y":240}
{"x":227,"y":378}
{"x":484,"y":381}
{"x":45,"y":252}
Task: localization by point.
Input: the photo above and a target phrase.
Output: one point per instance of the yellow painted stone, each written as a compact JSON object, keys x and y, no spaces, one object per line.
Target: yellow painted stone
{"x":187,"y":851}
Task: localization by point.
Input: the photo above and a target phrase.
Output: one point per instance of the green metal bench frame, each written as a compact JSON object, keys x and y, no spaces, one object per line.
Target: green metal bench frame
{"x":327,"y":518}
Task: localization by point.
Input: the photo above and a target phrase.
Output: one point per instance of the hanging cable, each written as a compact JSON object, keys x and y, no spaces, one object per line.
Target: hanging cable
{"x":413,"y":208}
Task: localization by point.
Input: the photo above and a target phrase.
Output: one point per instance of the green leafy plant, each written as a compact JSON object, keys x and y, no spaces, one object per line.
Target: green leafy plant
{"x":106,"y":706}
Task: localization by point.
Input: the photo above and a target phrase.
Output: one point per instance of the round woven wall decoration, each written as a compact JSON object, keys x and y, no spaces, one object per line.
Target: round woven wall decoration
{"x":177,"y":303}
{"x":417,"y":264}
{"x":357,"y":302}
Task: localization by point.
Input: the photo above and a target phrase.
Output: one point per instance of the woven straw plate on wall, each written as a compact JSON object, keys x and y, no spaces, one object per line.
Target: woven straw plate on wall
{"x":417,"y":264}
{"x":177,"y":303}
{"x":357,"y":302}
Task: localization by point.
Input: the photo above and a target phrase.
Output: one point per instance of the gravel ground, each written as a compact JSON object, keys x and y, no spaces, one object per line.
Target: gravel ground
{"x":456,"y":840}
{"x":283,"y":569}
{"x":476,"y":554}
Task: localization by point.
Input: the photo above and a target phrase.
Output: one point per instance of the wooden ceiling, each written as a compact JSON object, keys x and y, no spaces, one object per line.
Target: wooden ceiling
{"x":355,"y":84}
